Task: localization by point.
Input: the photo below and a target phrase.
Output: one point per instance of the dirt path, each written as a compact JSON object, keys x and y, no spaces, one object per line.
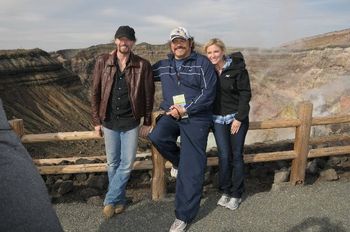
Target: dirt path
{"x":321,"y":207}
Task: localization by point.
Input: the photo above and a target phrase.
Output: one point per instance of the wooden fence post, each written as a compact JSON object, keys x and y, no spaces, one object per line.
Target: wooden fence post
{"x":17,"y":126}
{"x":301,"y":144}
{"x":158,"y":171}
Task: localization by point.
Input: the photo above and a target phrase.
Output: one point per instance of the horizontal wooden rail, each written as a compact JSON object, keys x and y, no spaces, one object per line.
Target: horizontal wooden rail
{"x":269,"y":156}
{"x":278,"y":123}
{"x":60,"y":136}
{"x":329,"y":151}
{"x":55,"y":161}
{"x":253,"y":158}
{"x":329,"y":138}
{"x":88,"y":168}
{"x":330,"y":120}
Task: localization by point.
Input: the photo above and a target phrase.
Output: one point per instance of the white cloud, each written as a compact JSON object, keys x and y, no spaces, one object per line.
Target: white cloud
{"x":109,"y":12}
{"x":163,"y":21}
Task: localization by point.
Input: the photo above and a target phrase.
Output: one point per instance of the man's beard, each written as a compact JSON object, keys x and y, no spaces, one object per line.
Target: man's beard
{"x":124,"y":49}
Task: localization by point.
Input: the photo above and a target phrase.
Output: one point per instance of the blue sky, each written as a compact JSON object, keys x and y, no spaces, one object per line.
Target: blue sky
{"x":54,"y":25}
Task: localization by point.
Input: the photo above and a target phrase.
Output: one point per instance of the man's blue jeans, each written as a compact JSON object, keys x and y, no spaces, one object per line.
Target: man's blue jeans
{"x":230,"y":152}
{"x":121,"y":152}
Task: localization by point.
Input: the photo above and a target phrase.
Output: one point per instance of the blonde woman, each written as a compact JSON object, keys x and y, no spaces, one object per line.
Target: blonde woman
{"x":231,"y":121}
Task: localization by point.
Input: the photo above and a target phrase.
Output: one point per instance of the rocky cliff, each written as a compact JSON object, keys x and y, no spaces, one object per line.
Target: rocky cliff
{"x":282,"y":78}
{"x":37,"y":88}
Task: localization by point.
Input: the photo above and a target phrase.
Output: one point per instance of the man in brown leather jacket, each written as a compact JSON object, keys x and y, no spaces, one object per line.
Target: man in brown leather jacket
{"x":122,"y":93}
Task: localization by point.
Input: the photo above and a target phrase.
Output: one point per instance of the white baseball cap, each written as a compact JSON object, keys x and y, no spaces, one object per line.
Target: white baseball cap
{"x":180,"y":32}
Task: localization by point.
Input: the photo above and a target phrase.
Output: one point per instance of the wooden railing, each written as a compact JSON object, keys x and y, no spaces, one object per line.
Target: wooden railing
{"x":298,"y":155}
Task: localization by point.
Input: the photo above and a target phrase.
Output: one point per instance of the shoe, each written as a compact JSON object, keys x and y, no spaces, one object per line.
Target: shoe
{"x":224,"y":199}
{"x":119,"y":209}
{"x":108,"y":211}
{"x":178,"y":226}
{"x":233,"y":203}
{"x":173,"y":172}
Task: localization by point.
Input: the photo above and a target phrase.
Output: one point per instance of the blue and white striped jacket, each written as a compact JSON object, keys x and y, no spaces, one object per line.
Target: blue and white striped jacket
{"x":196,"y":79}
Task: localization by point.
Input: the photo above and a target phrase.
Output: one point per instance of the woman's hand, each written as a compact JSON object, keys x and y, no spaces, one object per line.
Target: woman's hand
{"x":235,"y":126}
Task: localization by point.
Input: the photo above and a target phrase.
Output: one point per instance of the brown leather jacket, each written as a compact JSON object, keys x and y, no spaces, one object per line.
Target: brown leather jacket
{"x":139,"y":79}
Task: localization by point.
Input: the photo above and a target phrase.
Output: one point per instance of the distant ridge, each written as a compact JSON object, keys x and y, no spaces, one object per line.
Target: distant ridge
{"x":339,"y":38}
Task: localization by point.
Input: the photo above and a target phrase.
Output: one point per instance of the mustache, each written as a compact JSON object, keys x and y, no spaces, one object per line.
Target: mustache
{"x":180,"y":47}
{"x":123,"y":45}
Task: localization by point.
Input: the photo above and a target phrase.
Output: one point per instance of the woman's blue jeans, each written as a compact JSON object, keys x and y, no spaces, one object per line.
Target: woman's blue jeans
{"x":230,"y":152}
{"x":121,"y":152}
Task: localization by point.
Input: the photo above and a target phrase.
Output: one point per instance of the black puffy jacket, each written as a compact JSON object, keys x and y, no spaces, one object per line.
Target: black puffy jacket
{"x":233,"y":89}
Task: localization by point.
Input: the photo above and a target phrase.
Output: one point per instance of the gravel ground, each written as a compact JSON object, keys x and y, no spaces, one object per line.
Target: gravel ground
{"x":321,"y":207}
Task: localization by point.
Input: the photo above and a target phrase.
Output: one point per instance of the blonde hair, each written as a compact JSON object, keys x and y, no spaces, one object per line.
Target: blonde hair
{"x":214,"y":41}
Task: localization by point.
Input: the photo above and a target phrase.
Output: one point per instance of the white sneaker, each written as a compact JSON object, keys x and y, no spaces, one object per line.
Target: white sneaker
{"x":178,"y":226}
{"x":173,"y":172}
{"x":224,"y":199}
{"x":233,"y":203}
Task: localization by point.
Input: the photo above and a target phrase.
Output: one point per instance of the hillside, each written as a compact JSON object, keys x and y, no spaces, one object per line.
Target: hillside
{"x":332,"y":39}
{"x":35,"y":87}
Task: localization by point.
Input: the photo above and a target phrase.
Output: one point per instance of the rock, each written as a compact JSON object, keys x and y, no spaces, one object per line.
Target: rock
{"x":207,"y":177}
{"x":89,"y":192}
{"x":334,"y":161}
{"x":143,"y":146}
{"x":50,"y":180}
{"x":329,"y":174}
{"x":66,"y":177}
{"x":212,"y":152}
{"x":81,"y":177}
{"x":84,"y":161}
{"x":57,"y":184}
{"x":258,"y":170}
{"x":281,"y":175}
{"x":65,"y":187}
{"x":150,"y":173}
{"x":312,"y":167}
{"x":280,"y":186}
{"x":345,"y":103}
{"x":215,"y":180}
{"x":283,"y":164}
{"x":99,"y":182}
{"x":145,"y":178}
{"x":95,"y":200}
{"x":64,"y":162}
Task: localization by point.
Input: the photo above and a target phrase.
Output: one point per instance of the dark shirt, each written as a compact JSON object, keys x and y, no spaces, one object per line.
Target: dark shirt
{"x":119,"y":114}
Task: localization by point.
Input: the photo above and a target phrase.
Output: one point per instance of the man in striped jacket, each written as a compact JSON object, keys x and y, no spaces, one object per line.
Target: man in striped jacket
{"x":188,"y":85}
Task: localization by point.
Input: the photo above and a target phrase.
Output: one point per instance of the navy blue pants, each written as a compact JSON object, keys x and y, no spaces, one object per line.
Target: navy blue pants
{"x":230,"y":152}
{"x":190,"y":159}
